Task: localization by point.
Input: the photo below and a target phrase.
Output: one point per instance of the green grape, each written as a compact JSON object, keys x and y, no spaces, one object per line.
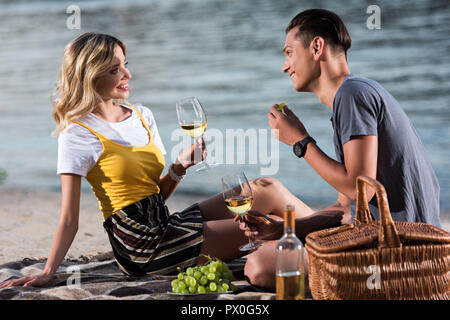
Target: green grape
{"x":192,"y":289}
{"x":217,"y":275}
{"x":219,"y":266}
{"x":229,"y":275}
{"x":225,"y":286}
{"x":213,"y":286}
{"x":197,"y":275}
{"x":177,"y":290}
{"x":180,"y":276}
{"x":192,"y":281}
{"x":220,"y":288}
{"x":201,"y":289}
{"x":203,"y":280}
{"x":225,"y":281}
{"x":225,"y":269}
{"x":190,"y":271}
{"x":182,"y":285}
{"x":212,"y":269}
{"x":174,"y":283}
{"x":185,"y":291}
{"x":211,"y":276}
{"x":204,"y":269}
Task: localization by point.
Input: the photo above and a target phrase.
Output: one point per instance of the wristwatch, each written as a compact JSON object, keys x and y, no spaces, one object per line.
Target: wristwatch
{"x":300,"y":146}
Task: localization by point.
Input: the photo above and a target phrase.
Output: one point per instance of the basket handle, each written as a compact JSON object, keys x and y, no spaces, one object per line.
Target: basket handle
{"x":387,"y":236}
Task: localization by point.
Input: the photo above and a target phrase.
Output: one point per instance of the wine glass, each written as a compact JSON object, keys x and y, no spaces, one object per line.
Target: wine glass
{"x":238,"y":198}
{"x":192,"y":120}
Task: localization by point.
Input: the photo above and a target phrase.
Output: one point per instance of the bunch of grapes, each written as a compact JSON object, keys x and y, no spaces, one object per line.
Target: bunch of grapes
{"x":212,"y":277}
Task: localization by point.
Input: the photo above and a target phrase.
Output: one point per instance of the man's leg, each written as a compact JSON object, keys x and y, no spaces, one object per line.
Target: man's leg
{"x":260,"y":266}
{"x":270,"y":197}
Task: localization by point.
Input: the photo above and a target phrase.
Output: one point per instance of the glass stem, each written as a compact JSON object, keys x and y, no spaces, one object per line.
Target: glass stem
{"x":250,"y":238}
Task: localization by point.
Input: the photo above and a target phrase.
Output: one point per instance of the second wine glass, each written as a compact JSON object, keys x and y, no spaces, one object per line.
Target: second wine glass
{"x":192,"y":120}
{"x":238,"y":198}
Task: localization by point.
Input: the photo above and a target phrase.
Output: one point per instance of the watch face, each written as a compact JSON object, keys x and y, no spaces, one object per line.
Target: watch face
{"x":298,"y":149}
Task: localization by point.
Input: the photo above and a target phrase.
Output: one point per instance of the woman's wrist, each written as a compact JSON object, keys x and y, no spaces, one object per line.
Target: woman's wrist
{"x":179,"y":169}
{"x":177,"y":172}
{"x":48,"y":271}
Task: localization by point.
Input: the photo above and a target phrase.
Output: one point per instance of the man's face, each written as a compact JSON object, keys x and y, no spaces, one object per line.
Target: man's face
{"x":299,"y":62}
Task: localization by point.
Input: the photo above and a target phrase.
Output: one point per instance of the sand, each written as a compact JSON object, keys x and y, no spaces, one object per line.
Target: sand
{"x":29,"y":219}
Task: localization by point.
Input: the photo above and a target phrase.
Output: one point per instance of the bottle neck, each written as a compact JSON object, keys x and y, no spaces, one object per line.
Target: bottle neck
{"x":289,"y":220}
{"x":288,"y":230}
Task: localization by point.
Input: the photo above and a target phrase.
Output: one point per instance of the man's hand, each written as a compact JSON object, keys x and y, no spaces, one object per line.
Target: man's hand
{"x":286,"y":126}
{"x":259,"y":226}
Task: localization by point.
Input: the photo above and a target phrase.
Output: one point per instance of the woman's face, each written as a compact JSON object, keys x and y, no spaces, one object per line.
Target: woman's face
{"x":114,"y":83}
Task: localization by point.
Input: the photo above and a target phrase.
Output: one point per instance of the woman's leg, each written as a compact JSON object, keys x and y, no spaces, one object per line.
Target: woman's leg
{"x":222,"y":239}
{"x":270,"y":197}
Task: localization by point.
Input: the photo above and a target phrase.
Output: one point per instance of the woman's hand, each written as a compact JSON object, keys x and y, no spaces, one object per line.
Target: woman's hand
{"x":194,"y":154}
{"x":35,"y":281}
{"x":259,"y":226}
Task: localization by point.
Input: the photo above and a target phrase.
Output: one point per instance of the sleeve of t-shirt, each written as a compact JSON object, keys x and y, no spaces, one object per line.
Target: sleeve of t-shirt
{"x":356,"y":111}
{"x":151,"y":122}
{"x":75,"y":154}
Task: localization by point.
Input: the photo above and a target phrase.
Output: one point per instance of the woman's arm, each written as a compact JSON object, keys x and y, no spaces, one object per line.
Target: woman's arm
{"x":64,"y":235}
{"x":187,"y":158}
{"x":167,"y":185}
{"x":68,"y":222}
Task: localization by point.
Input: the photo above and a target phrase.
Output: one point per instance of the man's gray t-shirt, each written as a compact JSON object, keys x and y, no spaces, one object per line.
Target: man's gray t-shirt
{"x":363,"y":107}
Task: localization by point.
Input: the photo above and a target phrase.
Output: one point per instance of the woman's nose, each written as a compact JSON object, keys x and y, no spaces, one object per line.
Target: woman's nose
{"x":128,"y":74}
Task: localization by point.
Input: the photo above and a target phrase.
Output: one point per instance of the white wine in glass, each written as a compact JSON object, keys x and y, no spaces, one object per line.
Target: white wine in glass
{"x":192,"y":120}
{"x":238,"y":198}
{"x":195,"y":130}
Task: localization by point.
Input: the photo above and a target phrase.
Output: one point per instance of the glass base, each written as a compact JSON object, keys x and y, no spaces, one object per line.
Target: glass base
{"x":253,"y":245}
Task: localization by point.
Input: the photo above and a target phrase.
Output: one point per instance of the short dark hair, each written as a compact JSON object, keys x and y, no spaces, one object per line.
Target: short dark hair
{"x":323,"y":23}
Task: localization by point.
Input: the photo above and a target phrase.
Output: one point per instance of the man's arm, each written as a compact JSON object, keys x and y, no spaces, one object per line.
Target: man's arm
{"x":360,"y":154}
{"x":332,"y":216}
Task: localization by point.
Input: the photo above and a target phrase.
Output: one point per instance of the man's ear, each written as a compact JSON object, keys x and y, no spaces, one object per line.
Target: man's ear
{"x":317,"y":46}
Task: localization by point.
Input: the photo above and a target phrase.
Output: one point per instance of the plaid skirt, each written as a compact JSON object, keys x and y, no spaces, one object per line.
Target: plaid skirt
{"x":146,"y":239}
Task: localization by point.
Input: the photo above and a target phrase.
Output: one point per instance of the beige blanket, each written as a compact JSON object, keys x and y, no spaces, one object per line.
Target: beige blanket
{"x":98,"y":277}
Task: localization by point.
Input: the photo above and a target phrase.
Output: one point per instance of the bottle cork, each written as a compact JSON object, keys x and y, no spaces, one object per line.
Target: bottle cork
{"x":289,"y":216}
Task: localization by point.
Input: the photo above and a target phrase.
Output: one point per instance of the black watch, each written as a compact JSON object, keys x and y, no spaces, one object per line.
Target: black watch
{"x":300,"y":146}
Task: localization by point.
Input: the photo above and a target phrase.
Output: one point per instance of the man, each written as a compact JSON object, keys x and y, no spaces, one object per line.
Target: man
{"x":372,"y":137}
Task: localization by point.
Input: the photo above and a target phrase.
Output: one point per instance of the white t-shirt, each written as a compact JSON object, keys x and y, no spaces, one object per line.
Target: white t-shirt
{"x":79,"y":149}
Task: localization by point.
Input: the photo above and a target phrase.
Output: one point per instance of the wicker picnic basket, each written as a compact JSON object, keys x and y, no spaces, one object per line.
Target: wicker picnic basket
{"x":379,"y":259}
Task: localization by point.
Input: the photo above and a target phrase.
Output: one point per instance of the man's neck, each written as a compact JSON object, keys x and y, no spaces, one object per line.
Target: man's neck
{"x":331,"y":77}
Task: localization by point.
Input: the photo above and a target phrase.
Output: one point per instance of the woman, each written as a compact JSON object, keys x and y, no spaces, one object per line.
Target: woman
{"x":117,"y":148}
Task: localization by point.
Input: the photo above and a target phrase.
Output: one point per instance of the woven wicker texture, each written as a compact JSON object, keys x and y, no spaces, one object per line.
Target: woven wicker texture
{"x":379,"y":259}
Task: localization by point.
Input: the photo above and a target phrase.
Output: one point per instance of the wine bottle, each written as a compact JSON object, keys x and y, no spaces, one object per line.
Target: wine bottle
{"x":290,"y":264}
